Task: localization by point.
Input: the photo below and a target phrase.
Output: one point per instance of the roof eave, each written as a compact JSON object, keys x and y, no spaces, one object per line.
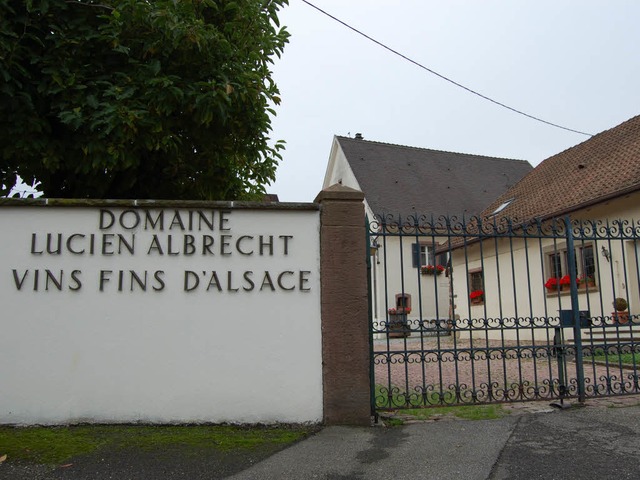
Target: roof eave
{"x":592,"y":202}
{"x":557,"y":214}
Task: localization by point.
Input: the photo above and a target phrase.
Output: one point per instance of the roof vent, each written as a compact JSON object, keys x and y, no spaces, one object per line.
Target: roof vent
{"x":359,"y":136}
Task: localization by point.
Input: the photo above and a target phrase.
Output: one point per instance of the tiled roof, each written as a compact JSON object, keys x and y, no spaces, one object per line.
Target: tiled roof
{"x":605,"y":166}
{"x":403,"y":180}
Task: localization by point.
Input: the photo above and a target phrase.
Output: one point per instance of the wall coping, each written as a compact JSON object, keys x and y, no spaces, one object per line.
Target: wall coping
{"x":340,"y":192}
{"x":105,"y":203}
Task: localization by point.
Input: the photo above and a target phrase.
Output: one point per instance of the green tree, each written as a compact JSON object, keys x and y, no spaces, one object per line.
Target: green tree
{"x":139,"y":99}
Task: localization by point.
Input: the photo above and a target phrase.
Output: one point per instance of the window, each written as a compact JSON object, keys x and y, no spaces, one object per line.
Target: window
{"x":476,"y":287}
{"x":558,"y":263}
{"x":421,"y":255}
{"x":588,"y":261}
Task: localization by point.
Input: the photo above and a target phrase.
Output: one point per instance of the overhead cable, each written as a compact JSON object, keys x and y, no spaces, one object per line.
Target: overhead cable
{"x":520,"y":112}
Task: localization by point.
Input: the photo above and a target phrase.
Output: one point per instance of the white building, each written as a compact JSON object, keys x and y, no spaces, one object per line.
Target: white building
{"x":405,"y":182}
{"x":597,"y":185}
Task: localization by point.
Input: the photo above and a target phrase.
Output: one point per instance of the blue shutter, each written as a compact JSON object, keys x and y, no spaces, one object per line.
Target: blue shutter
{"x":415,"y":254}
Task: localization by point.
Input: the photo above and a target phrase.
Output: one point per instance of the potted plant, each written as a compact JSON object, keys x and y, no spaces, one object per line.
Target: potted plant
{"x":621,"y":314}
{"x":551,"y":284}
{"x":427,"y":270}
{"x":565,"y":283}
{"x":398,"y":324}
{"x":476,"y":297}
{"x":586,"y":281}
{"x":431,"y":270}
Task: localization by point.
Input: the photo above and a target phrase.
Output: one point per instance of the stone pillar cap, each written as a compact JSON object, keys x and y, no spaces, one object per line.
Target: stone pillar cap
{"x":338,"y":191}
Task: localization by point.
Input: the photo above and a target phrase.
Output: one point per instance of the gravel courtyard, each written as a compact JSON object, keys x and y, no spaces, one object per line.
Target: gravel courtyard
{"x":469,"y":371}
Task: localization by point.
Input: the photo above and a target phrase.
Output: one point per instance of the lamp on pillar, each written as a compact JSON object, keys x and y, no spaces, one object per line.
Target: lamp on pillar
{"x":373,"y":248}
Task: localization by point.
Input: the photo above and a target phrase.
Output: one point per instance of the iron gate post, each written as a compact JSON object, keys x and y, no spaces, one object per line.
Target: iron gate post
{"x":374,"y":414}
{"x":559,"y":351}
{"x":575,"y":309}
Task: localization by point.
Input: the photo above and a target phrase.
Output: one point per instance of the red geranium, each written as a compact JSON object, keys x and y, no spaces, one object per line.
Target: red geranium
{"x":551,"y":283}
{"x":476,"y":294}
{"x":566,"y":280}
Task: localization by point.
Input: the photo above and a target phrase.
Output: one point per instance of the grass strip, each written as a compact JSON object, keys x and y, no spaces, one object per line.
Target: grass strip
{"x":475,"y":412}
{"x":624,"y":358}
{"x":55,"y":445}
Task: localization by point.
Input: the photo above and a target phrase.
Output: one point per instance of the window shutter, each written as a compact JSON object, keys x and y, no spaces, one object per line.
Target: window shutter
{"x":415,"y":254}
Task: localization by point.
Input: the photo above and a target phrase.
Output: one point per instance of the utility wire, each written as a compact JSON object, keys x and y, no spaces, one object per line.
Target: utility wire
{"x":442,"y":76}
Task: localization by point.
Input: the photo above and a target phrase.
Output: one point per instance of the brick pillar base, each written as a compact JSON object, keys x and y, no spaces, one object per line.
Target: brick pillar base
{"x":344,"y":298}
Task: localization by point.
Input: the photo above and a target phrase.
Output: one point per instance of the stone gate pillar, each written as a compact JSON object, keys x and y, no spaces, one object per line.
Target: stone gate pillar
{"x":344,"y":307}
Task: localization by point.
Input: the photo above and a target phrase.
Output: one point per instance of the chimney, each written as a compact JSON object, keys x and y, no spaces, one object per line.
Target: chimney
{"x":359,"y":136}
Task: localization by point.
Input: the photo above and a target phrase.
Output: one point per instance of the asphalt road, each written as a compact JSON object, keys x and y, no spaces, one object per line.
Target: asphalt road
{"x":579,"y":443}
{"x":582,"y":443}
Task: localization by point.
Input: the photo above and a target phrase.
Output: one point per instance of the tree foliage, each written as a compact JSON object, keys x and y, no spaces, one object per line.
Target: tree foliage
{"x":139,"y":99}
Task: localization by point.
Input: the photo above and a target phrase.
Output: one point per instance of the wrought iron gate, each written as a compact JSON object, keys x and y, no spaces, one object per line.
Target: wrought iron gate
{"x":471,"y":312}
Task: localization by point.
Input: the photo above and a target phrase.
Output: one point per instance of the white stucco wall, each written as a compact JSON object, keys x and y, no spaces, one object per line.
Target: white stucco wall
{"x":339,"y":172}
{"x":393,"y":274}
{"x":338,"y":169}
{"x":170,"y":353}
{"x":509,"y":297}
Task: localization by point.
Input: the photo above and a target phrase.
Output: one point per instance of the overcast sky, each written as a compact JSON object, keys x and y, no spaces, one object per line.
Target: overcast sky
{"x":571,"y":62}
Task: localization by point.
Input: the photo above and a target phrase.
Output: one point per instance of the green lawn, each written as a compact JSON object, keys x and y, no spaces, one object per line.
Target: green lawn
{"x":467,"y":412}
{"x":55,"y":445}
{"x":615,"y":358}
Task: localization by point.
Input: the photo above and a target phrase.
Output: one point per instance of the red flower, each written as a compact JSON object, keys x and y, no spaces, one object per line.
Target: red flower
{"x":476,"y":294}
{"x":566,"y":280}
{"x":551,"y":283}
{"x":440,"y":269}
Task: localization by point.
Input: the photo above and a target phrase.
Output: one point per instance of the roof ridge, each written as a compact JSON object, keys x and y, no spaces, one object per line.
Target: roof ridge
{"x":409,"y":147}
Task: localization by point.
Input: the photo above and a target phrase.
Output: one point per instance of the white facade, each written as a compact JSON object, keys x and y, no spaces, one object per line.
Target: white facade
{"x":390,"y":276}
{"x":129,"y":323}
{"x":514,"y":281}
{"x":339,"y":172}
{"x":394,"y":272}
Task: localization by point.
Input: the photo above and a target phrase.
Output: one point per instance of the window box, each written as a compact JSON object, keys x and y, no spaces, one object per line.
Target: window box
{"x":399,"y":325}
{"x":586,"y":282}
{"x":476,"y":297}
{"x":557,"y":267}
{"x":431,"y":270}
